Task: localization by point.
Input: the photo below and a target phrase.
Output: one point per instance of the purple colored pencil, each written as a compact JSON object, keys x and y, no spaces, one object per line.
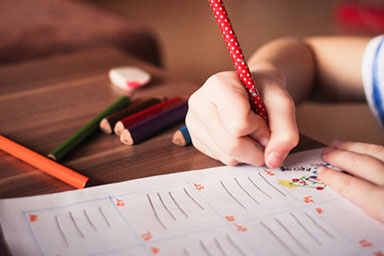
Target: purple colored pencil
{"x":154,"y":125}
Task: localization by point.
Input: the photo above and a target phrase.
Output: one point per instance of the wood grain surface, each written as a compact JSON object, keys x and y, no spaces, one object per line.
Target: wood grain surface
{"x":44,"y":102}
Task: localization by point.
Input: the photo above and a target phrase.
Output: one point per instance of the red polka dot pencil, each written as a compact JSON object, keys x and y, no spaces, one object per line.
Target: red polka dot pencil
{"x":237,"y":56}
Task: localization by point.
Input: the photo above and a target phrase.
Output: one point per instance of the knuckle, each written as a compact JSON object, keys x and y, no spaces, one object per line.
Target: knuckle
{"x":214,"y":79}
{"x":225,"y":75}
{"x":343,"y":185}
{"x":232,"y":147}
{"x":357,"y":159}
{"x":239,"y":127}
{"x":290,"y":139}
{"x":284,"y":101}
{"x":375,"y":149}
{"x":218,"y":79}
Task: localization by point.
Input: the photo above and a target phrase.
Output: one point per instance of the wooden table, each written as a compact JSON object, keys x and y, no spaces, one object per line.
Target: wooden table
{"x":44,"y":102}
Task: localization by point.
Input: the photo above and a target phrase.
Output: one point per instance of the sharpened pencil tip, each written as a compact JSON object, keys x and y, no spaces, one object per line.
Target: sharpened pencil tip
{"x":52,"y":157}
{"x":105,"y":126}
{"x":178,"y":139}
{"x":119,"y":128}
{"x":126,"y":137}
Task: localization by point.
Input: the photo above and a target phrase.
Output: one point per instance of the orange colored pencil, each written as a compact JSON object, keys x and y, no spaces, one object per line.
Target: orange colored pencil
{"x":46,"y":165}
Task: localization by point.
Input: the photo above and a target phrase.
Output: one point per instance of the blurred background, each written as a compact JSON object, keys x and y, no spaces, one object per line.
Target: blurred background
{"x":191,"y":46}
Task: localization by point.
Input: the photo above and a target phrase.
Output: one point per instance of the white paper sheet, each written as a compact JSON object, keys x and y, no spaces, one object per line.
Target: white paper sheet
{"x":240,"y":210}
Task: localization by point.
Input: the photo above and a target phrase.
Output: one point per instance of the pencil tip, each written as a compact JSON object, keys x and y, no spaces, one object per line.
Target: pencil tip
{"x":126,"y":137}
{"x":105,"y":126}
{"x":52,"y":157}
{"x":119,"y":127}
{"x":178,"y":139}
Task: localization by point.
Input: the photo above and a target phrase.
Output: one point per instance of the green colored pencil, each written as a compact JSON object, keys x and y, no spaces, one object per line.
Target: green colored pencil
{"x":58,"y":153}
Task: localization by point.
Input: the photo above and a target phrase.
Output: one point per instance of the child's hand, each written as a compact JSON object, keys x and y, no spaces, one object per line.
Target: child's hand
{"x":223,"y":126}
{"x":366,"y":163}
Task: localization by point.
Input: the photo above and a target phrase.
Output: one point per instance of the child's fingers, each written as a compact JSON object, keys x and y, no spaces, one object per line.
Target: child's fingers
{"x":282,"y":123}
{"x":243,"y":148}
{"x":222,"y":107}
{"x":367,"y":196}
{"x":361,"y":165}
{"x":233,"y":107}
{"x":195,"y":132}
{"x":213,"y":152}
{"x":204,"y":142}
{"x":373,"y":150}
{"x":223,"y":146}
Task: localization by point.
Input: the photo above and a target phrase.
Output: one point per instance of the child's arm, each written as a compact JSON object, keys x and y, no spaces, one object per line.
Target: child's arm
{"x":326,"y":68}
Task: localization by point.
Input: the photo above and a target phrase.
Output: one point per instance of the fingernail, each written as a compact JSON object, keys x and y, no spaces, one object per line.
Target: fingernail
{"x":263,"y":141}
{"x":321,"y":170}
{"x":274,"y":159}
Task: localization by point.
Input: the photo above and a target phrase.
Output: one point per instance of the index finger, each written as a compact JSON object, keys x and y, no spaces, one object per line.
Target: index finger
{"x":361,"y":165}
{"x":373,"y":150}
{"x":282,"y":123}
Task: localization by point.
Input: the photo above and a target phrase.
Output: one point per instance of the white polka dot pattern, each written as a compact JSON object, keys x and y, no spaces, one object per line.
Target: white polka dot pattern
{"x":237,"y":56}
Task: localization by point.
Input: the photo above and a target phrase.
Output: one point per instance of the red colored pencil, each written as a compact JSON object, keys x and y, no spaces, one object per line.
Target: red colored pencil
{"x":145,"y":114}
{"x":108,"y":123}
{"x":154,"y":125}
{"x":237,"y":56}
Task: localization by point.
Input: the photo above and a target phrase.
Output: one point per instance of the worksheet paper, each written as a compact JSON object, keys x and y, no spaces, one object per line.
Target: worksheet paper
{"x":240,"y":210}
